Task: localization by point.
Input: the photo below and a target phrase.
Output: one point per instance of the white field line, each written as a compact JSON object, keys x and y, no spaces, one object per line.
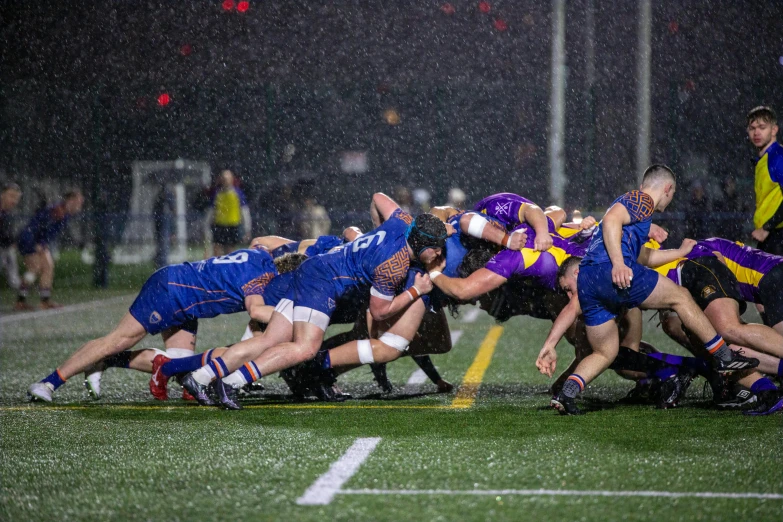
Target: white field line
{"x":418,"y":377}
{"x":323,"y":490}
{"x":57,"y":311}
{"x":562,"y":492}
{"x":471,"y":315}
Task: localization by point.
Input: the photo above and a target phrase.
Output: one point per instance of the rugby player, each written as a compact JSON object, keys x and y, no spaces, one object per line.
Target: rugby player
{"x":377,"y":262}
{"x":613,"y":276}
{"x":170,"y":303}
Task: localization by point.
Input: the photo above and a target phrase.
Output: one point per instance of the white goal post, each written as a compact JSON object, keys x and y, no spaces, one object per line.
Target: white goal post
{"x":138,"y":237}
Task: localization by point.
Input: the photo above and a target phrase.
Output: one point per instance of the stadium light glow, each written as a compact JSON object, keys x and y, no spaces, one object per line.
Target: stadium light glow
{"x":500,"y":24}
{"x":164,"y":99}
{"x":228,"y":5}
{"x":484,"y":7}
{"x":243,"y":6}
{"x":447,"y":8}
{"x":186,"y":49}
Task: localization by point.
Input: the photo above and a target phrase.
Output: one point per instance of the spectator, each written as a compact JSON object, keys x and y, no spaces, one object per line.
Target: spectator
{"x":229,"y":212}
{"x":697,"y":214}
{"x":456,"y":198}
{"x":163,"y":215}
{"x":33,"y":243}
{"x":314,"y":220}
{"x":403,"y":198}
{"x":9,"y":199}
{"x":421,"y":201}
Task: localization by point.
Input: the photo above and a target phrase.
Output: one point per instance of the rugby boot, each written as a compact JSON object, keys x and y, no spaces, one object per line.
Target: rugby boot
{"x":642,"y":393}
{"x":733,"y":397}
{"x":379,"y":374}
{"x":227,"y":395}
{"x":158,"y":381}
{"x":737,"y":362}
{"x":92,"y":379}
{"x":330,"y":393}
{"x":565,"y":405}
{"x":197,"y":390}
{"x":673,"y":389}
{"x":186,"y":396}
{"x":769,"y":401}
{"x":40,"y":391}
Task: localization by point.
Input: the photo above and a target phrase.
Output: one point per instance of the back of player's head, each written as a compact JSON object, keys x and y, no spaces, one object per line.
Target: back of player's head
{"x":73,"y":193}
{"x":289,"y":262}
{"x":658,"y":174}
{"x":425,"y":232}
{"x":763,"y":113}
{"x":10,"y":187}
{"x":569,"y":263}
{"x":473,"y":260}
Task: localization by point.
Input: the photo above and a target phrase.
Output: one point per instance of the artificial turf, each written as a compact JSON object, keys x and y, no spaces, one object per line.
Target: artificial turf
{"x":128,"y":457}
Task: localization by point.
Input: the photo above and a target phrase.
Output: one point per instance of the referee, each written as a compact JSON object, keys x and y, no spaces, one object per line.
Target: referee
{"x":768,"y":218}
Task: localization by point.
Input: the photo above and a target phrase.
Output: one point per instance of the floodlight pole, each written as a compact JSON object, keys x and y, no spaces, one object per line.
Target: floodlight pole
{"x":557,"y":179}
{"x":643,"y":56}
{"x":590,"y":104}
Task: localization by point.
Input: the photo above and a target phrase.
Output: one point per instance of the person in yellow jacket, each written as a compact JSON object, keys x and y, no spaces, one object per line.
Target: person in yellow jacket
{"x":768,"y":218}
{"x":229,"y":212}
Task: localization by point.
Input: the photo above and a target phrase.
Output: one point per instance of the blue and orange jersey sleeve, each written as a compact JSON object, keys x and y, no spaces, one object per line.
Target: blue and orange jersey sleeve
{"x":640,"y":205}
{"x":401,"y":214}
{"x":388,"y":275}
{"x":256,"y":286}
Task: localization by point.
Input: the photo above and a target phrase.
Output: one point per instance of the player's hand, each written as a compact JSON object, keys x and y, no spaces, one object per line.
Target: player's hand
{"x":687,"y":246}
{"x":423,"y":283}
{"x":547,"y":361}
{"x":588,"y":222}
{"x":439,"y":263}
{"x":517,"y":240}
{"x":622,"y":276}
{"x":657,"y":233}
{"x":450,"y":230}
{"x":760,"y":235}
{"x":543,"y":242}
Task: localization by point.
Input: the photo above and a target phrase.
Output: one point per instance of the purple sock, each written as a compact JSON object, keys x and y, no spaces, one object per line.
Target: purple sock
{"x":186,"y":364}
{"x":694,"y":363}
{"x":761,"y":385}
{"x":665,"y":373}
{"x":54,"y":379}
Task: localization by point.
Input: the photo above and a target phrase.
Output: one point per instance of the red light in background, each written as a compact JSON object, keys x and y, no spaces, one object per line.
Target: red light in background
{"x":243,"y":6}
{"x":674,"y":27}
{"x":484,"y":7}
{"x":185,"y":50}
{"x":164,"y":99}
{"x":501,"y":24}
{"x":447,"y":8}
{"x":228,"y":5}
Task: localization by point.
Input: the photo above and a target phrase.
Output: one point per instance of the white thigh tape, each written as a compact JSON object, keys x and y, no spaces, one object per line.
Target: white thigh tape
{"x":395,"y":341}
{"x":364,"y":348}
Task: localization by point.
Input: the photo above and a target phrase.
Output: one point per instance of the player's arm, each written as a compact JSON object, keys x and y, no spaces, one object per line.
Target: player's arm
{"x":383,"y":307}
{"x":535,"y":217}
{"x":476,"y":225}
{"x":547,"y":357}
{"x":257,"y":310}
{"x":465,"y":289}
{"x":613,"y":223}
{"x":444,"y":213}
{"x":654,"y":258}
{"x":351,"y":233}
{"x":381,"y":208}
{"x":556,"y":214}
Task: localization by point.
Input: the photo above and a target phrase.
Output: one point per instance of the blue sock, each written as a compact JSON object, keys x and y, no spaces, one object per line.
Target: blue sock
{"x":250,"y":372}
{"x":119,"y":360}
{"x":780,"y":368}
{"x":54,"y":379}
{"x":694,"y":363}
{"x":186,"y":364}
{"x":762,"y":385}
{"x":327,"y":361}
{"x":218,"y":367}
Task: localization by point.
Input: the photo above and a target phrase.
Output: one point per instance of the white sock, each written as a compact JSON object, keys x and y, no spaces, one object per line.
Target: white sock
{"x":235,"y":380}
{"x":204,"y":375}
{"x":248,"y":333}
{"x":179,"y":353}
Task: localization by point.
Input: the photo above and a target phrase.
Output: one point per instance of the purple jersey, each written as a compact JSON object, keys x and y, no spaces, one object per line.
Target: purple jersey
{"x":507,"y":208}
{"x":640,"y":207}
{"x":379,"y":259}
{"x":219,"y":285}
{"x":747,"y":264}
{"x":528,"y":263}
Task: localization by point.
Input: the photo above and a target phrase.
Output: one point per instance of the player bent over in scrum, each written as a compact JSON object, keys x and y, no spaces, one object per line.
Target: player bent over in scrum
{"x":613,"y":276}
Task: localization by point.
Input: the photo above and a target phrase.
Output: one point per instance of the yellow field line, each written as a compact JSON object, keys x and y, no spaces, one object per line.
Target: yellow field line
{"x":141,"y":407}
{"x":466,"y":394}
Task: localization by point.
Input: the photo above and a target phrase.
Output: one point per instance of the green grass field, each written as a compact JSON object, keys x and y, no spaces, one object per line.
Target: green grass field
{"x":128,"y":457}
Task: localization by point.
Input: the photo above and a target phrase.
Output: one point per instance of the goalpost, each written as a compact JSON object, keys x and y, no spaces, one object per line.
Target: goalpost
{"x":181,"y":177}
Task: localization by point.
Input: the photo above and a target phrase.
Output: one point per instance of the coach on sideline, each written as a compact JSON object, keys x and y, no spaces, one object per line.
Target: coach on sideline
{"x":768,"y":218}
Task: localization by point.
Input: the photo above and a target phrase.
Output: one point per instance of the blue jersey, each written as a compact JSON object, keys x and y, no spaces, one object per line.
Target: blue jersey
{"x":323,"y":245}
{"x":219,"y":285}
{"x":43,"y":228}
{"x":640,"y":207}
{"x":379,"y":259}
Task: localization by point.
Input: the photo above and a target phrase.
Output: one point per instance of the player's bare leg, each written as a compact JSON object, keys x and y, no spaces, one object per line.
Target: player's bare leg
{"x":724,"y":315}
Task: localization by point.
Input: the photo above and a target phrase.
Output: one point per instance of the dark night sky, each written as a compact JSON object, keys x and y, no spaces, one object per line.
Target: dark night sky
{"x":80,"y":84}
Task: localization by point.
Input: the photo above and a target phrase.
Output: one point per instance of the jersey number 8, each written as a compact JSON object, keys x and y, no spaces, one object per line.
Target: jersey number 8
{"x":238,"y":257}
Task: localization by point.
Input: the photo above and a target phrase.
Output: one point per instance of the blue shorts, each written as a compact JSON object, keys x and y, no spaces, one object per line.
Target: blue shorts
{"x":602,"y":301}
{"x":312,"y":296}
{"x":154,"y":308}
{"x":26,"y":245}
